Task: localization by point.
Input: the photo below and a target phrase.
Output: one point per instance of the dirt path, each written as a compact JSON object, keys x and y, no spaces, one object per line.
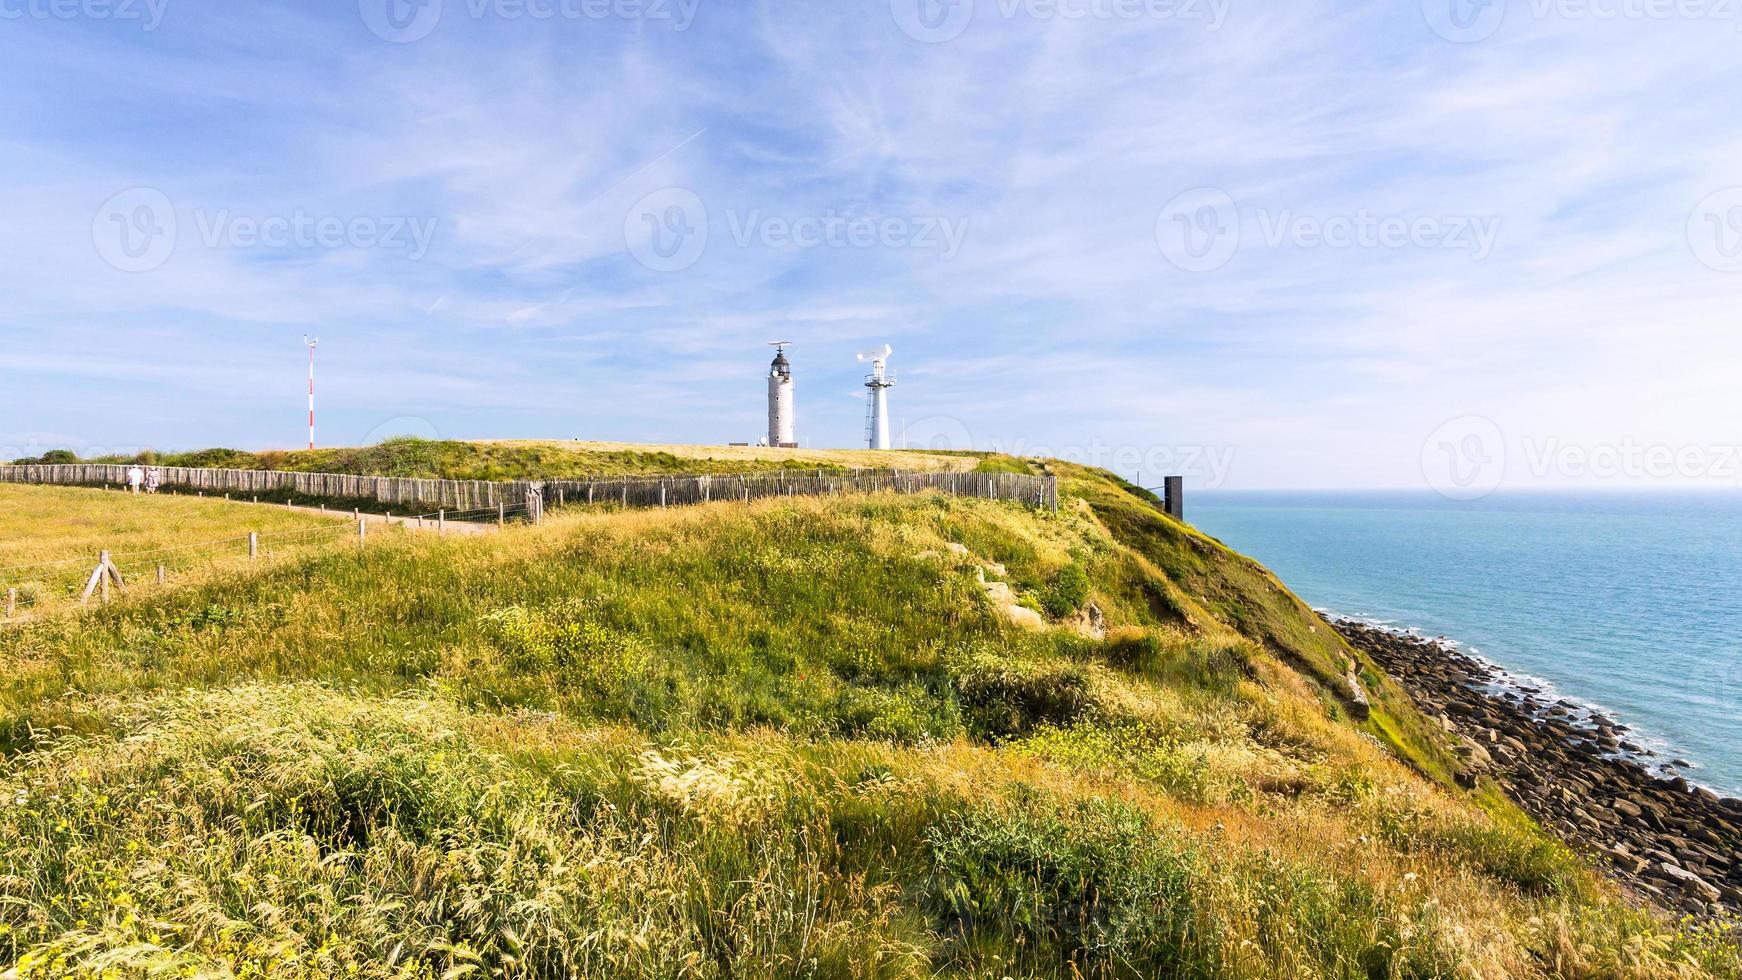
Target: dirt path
{"x":423,"y":525}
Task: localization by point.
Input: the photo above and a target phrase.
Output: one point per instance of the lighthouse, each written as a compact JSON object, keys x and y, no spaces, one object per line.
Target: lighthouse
{"x":879,"y":382}
{"x":780,"y":415}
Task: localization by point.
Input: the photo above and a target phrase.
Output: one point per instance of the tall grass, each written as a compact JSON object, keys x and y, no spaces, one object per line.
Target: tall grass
{"x":791,"y":739}
{"x":50,"y":537}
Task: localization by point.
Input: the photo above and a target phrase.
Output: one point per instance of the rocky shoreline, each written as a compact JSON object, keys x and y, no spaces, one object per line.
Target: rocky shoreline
{"x":1576,"y":772}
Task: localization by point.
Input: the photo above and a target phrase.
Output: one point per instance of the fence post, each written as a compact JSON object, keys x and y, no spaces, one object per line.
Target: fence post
{"x":501,"y":514}
{"x":103,"y":564}
{"x":160,"y":575}
{"x":11,"y":602}
{"x":362,"y":531}
{"x":253,"y":544}
{"x":441,"y":523}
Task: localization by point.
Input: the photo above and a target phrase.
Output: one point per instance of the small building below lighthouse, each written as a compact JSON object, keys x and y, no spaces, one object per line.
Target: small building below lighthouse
{"x":780,"y":411}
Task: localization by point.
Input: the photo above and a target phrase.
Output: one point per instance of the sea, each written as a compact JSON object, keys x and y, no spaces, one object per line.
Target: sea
{"x":1626,"y":602}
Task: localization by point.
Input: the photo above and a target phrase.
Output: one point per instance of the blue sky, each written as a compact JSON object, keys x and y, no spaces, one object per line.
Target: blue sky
{"x":1292,"y":244}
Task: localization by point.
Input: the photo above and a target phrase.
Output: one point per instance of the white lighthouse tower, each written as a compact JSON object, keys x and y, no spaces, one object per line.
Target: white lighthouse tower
{"x":879,"y":382}
{"x":780,"y":415}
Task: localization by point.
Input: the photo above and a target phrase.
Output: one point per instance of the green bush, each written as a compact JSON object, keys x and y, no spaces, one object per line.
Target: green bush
{"x":617,"y":672}
{"x":907,"y":715}
{"x":53,"y":457}
{"x":1067,"y":592}
{"x":1137,"y":650}
{"x":1097,"y":888}
{"x":1002,"y":698}
{"x":1133,"y":749}
{"x":1085,"y":889}
{"x":1215,"y":665}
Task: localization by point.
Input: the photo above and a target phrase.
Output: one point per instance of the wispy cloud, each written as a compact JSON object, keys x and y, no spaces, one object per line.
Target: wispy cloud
{"x":561,"y":296}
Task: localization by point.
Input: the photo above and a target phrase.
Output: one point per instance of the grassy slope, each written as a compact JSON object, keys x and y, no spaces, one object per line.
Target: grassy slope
{"x":512,"y":460}
{"x":791,"y":739}
{"x":1242,"y":594}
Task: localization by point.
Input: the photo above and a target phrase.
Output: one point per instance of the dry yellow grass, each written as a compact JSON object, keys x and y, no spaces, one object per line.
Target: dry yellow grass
{"x":779,"y":740}
{"x":50,"y":537}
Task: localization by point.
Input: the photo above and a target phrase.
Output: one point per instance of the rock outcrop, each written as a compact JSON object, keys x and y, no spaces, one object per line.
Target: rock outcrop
{"x":1576,"y":772}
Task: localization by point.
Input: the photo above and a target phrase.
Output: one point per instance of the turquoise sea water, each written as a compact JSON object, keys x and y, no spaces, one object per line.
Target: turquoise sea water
{"x":1630,"y":602}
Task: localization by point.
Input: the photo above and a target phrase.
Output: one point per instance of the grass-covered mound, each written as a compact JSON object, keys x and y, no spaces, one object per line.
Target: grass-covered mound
{"x":521,"y":460}
{"x":857,"y":737}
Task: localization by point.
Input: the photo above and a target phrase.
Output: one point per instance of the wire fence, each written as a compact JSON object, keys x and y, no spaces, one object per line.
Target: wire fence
{"x":34,"y":587}
{"x":31,"y":589}
{"x":478,"y":496}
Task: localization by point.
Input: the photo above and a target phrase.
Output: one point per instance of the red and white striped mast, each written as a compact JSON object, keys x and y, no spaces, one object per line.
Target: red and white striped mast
{"x":311,"y":388}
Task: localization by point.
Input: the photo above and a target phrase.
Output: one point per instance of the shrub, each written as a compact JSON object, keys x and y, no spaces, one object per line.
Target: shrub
{"x":906,"y":715}
{"x":1086,"y":884}
{"x":1134,"y":749}
{"x":1134,"y":649}
{"x":233,"y":459}
{"x":1210,"y":664}
{"x":1003,"y":697}
{"x":1066,"y":593}
{"x":577,"y":650}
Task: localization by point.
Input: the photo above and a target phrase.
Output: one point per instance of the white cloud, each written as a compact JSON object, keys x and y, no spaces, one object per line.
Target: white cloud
{"x":1056,"y":143}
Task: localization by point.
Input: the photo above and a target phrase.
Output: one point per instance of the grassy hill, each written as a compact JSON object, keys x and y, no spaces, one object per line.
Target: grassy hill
{"x":879,"y":736}
{"x":522,"y":459}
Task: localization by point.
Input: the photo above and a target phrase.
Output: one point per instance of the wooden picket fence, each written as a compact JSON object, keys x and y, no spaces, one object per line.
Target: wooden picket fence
{"x":481,"y":495}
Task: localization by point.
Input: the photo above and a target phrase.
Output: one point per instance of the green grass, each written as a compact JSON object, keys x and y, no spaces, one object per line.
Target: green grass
{"x":50,"y":538}
{"x":791,"y":739}
{"x":518,"y":460}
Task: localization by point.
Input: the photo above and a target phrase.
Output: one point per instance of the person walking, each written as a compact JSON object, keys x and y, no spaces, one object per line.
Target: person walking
{"x":135,"y":477}
{"x":153,"y":479}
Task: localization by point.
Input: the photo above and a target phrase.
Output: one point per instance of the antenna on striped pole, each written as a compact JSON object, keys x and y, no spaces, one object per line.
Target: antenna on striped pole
{"x":311,"y":387}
